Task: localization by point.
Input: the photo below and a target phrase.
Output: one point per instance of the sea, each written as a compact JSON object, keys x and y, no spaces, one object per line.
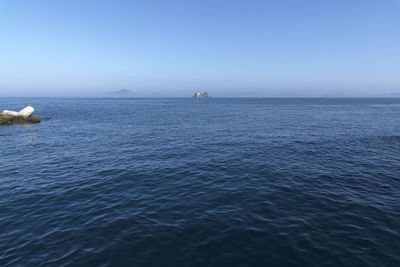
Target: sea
{"x":201,"y":182}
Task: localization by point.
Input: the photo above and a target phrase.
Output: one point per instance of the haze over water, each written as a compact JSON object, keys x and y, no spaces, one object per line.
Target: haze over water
{"x":201,"y":182}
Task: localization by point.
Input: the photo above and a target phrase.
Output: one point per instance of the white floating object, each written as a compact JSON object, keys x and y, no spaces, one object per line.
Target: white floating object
{"x":25,"y":112}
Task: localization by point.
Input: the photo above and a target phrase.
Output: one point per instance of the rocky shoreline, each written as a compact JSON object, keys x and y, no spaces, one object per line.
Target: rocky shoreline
{"x":5,"y":119}
{"x":22,"y":117}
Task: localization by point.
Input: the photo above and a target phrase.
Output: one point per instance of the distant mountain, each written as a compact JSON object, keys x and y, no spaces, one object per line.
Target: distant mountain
{"x":122,"y":93}
{"x":395,"y":94}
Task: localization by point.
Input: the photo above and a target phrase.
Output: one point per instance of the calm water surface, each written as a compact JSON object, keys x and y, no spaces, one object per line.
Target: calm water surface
{"x":205,"y":182}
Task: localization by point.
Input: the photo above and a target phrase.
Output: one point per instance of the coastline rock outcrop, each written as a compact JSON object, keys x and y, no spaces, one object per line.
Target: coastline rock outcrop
{"x":20,"y":117}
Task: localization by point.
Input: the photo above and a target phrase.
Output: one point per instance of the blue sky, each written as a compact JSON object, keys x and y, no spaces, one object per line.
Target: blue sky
{"x":172,"y":48}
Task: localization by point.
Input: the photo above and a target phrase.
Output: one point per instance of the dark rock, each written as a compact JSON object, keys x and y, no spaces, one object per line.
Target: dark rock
{"x":7,"y":119}
{"x":19,"y":119}
{"x":35,"y":119}
{"x":4,"y":119}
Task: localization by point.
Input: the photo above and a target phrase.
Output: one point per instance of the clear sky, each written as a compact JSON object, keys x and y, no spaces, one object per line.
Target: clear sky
{"x":227,"y":47}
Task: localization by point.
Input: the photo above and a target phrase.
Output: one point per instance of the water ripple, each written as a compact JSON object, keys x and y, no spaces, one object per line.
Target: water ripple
{"x":241,"y":182}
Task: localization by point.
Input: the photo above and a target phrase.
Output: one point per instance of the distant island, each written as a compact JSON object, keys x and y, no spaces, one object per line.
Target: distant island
{"x":122,"y":93}
{"x":201,"y":95}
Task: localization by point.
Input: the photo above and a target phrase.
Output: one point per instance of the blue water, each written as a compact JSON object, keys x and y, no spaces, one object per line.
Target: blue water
{"x":201,"y":182}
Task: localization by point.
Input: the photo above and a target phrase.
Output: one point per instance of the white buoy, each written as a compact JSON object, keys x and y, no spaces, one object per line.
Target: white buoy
{"x":25,"y":112}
